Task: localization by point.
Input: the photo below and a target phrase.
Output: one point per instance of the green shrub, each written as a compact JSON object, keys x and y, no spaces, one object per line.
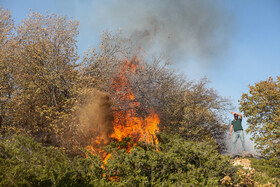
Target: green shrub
{"x":173,"y":162}
{"x":24,"y":162}
{"x":267,"y":170}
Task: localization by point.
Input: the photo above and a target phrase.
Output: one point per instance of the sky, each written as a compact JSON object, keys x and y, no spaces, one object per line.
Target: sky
{"x":246,"y":50}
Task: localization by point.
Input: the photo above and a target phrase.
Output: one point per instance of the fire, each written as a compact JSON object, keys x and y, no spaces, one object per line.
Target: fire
{"x":127,"y":121}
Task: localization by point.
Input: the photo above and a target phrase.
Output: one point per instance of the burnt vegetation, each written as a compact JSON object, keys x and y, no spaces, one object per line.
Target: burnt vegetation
{"x":53,"y":104}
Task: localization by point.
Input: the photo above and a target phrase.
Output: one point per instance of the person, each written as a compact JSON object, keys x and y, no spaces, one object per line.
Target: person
{"x":236,"y":125}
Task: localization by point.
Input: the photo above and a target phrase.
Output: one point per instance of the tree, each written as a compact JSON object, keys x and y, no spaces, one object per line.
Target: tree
{"x":204,"y":114}
{"x":262,"y":107}
{"x":44,"y":75}
{"x":6,"y":51}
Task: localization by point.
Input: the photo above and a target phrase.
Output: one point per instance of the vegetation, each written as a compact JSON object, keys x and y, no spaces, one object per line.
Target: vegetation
{"x":262,"y":107}
{"x":44,"y":84}
{"x":24,"y":162}
{"x":175,"y":161}
{"x":267,"y":170}
{"x":38,"y":74}
{"x":44,"y":81}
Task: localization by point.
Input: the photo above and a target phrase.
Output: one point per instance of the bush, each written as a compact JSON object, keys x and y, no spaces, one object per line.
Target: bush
{"x":24,"y":162}
{"x":267,"y":170}
{"x":175,"y":161}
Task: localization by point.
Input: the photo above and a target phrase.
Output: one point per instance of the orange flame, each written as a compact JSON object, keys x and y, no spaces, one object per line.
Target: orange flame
{"x":127,"y":122}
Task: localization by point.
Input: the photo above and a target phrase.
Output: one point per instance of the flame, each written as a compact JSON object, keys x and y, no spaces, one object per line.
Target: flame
{"x":127,"y":121}
{"x":96,"y":148}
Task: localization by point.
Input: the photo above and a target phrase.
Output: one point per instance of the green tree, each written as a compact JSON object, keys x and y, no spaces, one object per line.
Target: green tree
{"x":262,"y":108}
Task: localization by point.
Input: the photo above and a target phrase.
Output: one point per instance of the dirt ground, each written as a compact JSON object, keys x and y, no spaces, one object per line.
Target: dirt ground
{"x":244,"y":162}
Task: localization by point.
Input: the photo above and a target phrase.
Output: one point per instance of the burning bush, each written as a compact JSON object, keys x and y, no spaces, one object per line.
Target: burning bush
{"x":127,"y":123}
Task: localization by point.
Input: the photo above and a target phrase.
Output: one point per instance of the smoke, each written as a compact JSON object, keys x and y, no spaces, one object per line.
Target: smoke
{"x":179,"y":28}
{"x":95,"y":115}
{"x":199,"y":29}
{"x":249,"y":145}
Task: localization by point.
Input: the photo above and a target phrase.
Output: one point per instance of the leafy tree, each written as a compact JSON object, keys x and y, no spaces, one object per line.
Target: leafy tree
{"x":204,"y":114}
{"x":6,"y":65}
{"x":262,"y":108}
{"x":45,"y":75}
{"x":100,"y":66}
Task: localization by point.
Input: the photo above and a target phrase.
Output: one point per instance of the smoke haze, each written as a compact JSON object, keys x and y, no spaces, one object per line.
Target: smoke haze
{"x":193,"y":28}
{"x":198,"y":29}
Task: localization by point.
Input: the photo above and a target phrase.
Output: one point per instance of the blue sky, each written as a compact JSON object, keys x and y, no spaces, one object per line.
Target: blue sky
{"x":253,"y":53}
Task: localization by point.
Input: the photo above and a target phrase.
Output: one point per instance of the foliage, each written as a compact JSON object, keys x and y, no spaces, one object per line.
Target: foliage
{"x":267,"y":170}
{"x":174,"y":162}
{"x":262,"y":107}
{"x":246,"y":177}
{"x":24,"y":162}
{"x":42,"y":77}
{"x":203,"y":117}
{"x":6,"y":51}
